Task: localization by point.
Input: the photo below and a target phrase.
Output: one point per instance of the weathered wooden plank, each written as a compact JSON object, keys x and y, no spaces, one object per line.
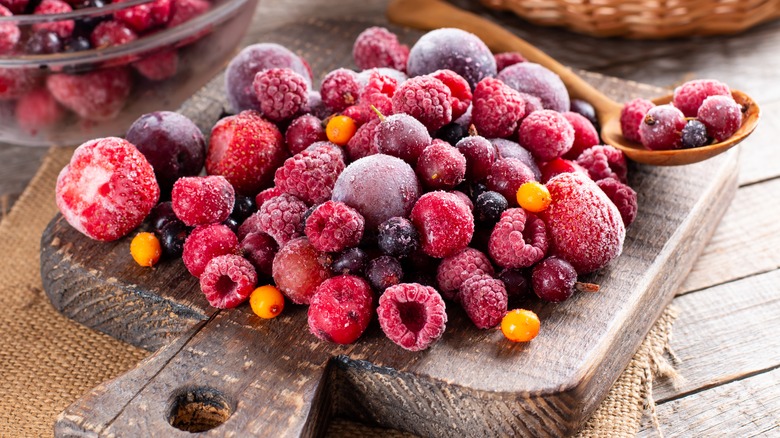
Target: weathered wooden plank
{"x":718,"y":330}
{"x":760,"y":154}
{"x":744,"y":408}
{"x":745,"y":243}
{"x":17,"y":166}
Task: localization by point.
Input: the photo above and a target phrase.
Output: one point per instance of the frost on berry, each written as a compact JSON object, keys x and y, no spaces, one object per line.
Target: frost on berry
{"x":260,"y":249}
{"x":518,"y":240}
{"x":623,"y":196}
{"x":341,"y":309}
{"x":536,"y":80}
{"x":689,"y":96}
{"x":202,"y":200}
{"x":505,"y":59}
{"x":340,"y":89}
{"x":547,"y":134}
{"x":452,"y":49}
{"x":412,"y":315}
{"x":511,"y":149}
{"x":497,"y":108}
{"x":334,"y":226}
{"x":95,"y":95}
{"x":426,"y":99}
{"x":631,"y":116}
{"x":484,"y":299}
{"x":604,"y":161}
{"x":661,"y":129}
{"x":402,"y":136}
{"x":299,"y":268}
{"x":585,"y":134}
{"x":282,"y":93}
{"x":363,"y":143}
{"x":480,"y":155}
{"x":456,"y":269}
{"x":304,"y":131}
{"x":311,"y":174}
{"x":445,"y":223}
{"x":227,"y":281}
{"x":205,"y":243}
{"x":460,"y":92}
{"x":506,"y":177}
{"x":280,"y":217}
{"x":441,"y":166}
{"x":378,"y":47}
{"x":721,"y":115}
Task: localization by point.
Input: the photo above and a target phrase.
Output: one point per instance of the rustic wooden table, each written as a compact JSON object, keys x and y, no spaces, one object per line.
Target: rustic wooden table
{"x":725,"y":339}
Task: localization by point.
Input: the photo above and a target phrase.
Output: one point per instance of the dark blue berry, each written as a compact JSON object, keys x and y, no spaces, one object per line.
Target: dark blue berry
{"x":383,"y":272}
{"x":309,"y":212}
{"x":172,"y":237}
{"x":516,"y":282}
{"x":243,"y":208}
{"x":475,"y":190}
{"x":452,"y":133}
{"x":231,"y":223}
{"x":86,"y":24}
{"x":77,"y":44}
{"x":489,"y":206}
{"x":351,"y":261}
{"x":44,"y":42}
{"x":398,"y":237}
{"x":694,"y":134}
{"x":161,"y":215}
{"x":586,"y":110}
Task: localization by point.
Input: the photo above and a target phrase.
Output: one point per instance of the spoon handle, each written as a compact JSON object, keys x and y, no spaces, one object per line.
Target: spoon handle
{"x":432,"y":14}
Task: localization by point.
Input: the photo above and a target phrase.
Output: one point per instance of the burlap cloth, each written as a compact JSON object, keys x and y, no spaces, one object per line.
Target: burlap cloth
{"x":48,"y":361}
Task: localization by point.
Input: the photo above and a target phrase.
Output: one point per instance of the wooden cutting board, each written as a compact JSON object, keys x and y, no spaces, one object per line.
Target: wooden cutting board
{"x":245,"y":376}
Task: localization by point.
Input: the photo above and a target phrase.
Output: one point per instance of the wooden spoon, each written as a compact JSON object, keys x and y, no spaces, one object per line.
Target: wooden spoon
{"x":433,"y":14}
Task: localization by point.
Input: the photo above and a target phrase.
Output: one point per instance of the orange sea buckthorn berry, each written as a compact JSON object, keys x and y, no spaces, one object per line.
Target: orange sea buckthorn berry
{"x":145,"y":249}
{"x":266,"y":301}
{"x":534,"y":197}
{"x":340,"y":129}
{"x":520,"y":325}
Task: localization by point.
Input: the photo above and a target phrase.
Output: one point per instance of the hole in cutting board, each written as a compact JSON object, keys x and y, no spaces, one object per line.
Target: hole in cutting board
{"x":199,"y":409}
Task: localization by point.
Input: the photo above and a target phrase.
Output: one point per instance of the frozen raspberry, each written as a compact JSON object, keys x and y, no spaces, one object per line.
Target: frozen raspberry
{"x":111,"y":33}
{"x":299,"y":268}
{"x":302,"y":132}
{"x":558,"y":166}
{"x":202,"y":200}
{"x":583,"y":225}
{"x":227,"y":281}
{"x":425,"y":98}
{"x":456,"y":269}
{"x":497,"y":108}
{"x":547,"y":134}
{"x":480,"y":155}
{"x":689,"y":96}
{"x":585,"y":135}
{"x":259,"y":249}
{"x":516,"y":282}
{"x":145,"y":16}
{"x":661,"y":129}
{"x":282,"y":93}
{"x":281,"y":218}
{"x":489,"y":207}
{"x":378,"y":90}
{"x":185,"y":10}
{"x":37,"y":110}
{"x":460,"y":92}
{"x":531,"y":78}
{"x":334,"y":226}
{"x":340,"y":89}
{"x":511,"y":149}
{"x":631,"y":116}
{"x":360,"y":114}
{"x":399,"y":76}
{"x":310,"y":175}
{"x":604,"y":161}
{"x":507,"y":176}
{"x":378,"y":187}
{"x":265,"y":195}
{"x":246,"y":149}
{"x":412,"y":315}
{"x":402,"y":136}
{"x":484,"y":299}
{"x":518,"y":240}
{"x":383,"y":272}
{"x":341,"y":309}
{"x":623,"y":196}
{"x":445,"y":223}
{"x":95,"y":95}
{"x":721,"y":115}
{"x":441,"y":166}
{"x":504,"y":60}
{"x":107,"y":189}
{"x":398,"y":237}
{"x":378,"y":47}
{"x":158,"y":66}
{"x":63,"y":28}
{"x":452,"y":49}
{"x":363,"y":143}
{"x":15,"y":6}
{"x":205,"y":243}
{"x":9,"y":32}
{"x":244,"y":67}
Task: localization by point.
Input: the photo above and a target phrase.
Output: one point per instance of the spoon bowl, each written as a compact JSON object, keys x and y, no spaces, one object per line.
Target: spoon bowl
{"x":433,"y":14}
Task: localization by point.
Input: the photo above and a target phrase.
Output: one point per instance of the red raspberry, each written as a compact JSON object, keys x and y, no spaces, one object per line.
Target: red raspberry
{"x":146,"y":16}
{"x":484,"y":299}
{"x":205,"y":243}
{"x":604,"y":161}
{"x":546,"y":134}
{"x":631,"y":117}
{"x":689,"y":96}
{"x":282,"y":93}
{"x":111,"y":33}
{"x":246,"y":149}
{"x":426,"y":99}
{"x":518,"y":240}
{"x":280,"y":217}
{"x":202,"y":200}
{"x":378,"y":47}
{"x":412,"y":315}
{"x":185,"y":10}
{"x":497,"y":108}
{"x":9,"y":32}
{"x":378,"y":91}
{"x":456,"y":269}
{"x":340,"y":89}
{"x":363,"y":143}
{"x":228,"y":281}
{"x":299,"y":268}
{"x":304,"y":131}
{"x":559,"y":166}
{"x":504,"y":60}
{"x":623,"y":196}
{"x":460,"y":91}
{"x":311,"y":174}
{"x":360,"y":114}
{"x":341,"y":309}
{"x":445,"y":223}
{"x":260,"y":249}
{"x":107,"y":189}
{"x":583,"y":225}
{"x":15,"y":6}
{"x":585,"y":134}
{"x":63,"y":28}
{"x":441,"y":166}
{"x":37,"y":110}
{"x":507,"y":175}
{"x":96,"y":95}
{"x":158,"y":66}
{"x":334,"y":226}
{"x":265,"y":195}
{"x":721,"y":115}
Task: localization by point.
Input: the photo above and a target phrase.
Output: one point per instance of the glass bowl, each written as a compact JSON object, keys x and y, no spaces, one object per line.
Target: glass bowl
{"x":106,"y":64}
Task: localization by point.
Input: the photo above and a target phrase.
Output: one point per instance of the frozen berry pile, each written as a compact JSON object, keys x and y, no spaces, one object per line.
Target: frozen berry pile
{"x":440,"y":176}
{"x":702,"y":112}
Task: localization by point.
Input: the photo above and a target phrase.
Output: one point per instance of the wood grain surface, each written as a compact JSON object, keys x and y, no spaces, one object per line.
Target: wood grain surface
{"x":275,"y":377}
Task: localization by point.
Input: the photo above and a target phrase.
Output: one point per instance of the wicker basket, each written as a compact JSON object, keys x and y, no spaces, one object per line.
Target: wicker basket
{"x":644,"y":19}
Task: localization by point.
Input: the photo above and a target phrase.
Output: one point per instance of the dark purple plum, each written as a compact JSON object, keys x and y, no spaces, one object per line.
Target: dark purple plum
{"x":402,"y":136}
{"x":453,"y":49}
{"x":511,"y":149}
{"x":351,"y":261}
{"x":538,"y":81}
